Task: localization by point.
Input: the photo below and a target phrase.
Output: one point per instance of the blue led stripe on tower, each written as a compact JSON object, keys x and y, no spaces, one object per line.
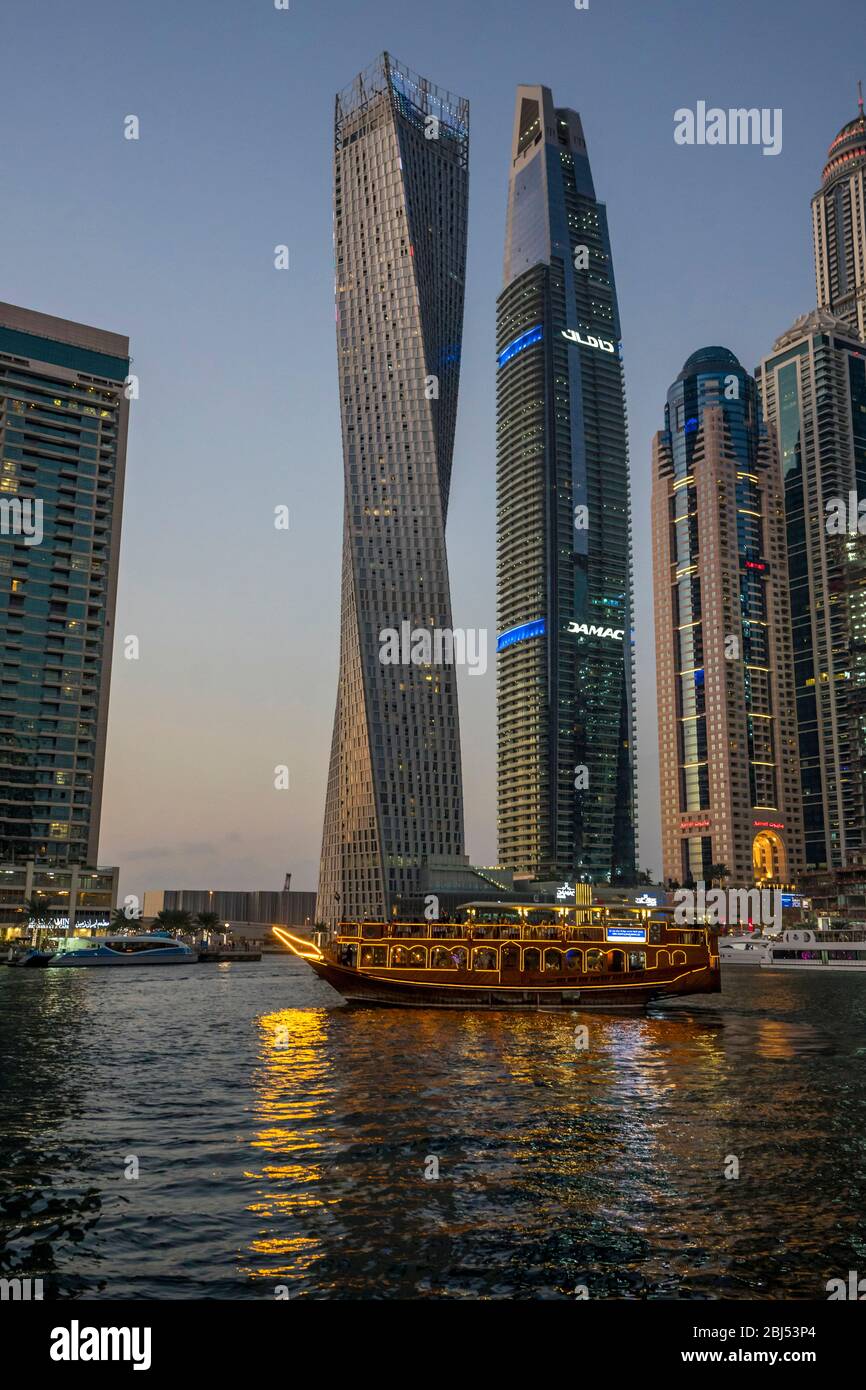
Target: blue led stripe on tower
{"x":521,"y":633}
{"x":533,"y":335}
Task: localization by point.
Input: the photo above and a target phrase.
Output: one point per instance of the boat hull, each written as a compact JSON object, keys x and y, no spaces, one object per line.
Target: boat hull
{"x":855,"y":966}
{"x":581,"y":992}
{"x":144,"y":958}
{"x":35,"y":960}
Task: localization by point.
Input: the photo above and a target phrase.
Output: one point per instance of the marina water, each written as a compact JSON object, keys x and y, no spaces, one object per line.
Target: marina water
{"x":286,"y":1145}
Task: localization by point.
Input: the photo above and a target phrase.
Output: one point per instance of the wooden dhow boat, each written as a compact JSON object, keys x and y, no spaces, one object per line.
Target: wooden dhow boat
{"x":510,"y":956}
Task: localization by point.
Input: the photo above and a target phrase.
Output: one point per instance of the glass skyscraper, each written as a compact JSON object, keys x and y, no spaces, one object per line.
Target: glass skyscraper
{"x":63,"y":425}
{"x":394,"y":799}
{"x":813,"y":388}
{"x":566,"y":748}
{"x":730,"y":787}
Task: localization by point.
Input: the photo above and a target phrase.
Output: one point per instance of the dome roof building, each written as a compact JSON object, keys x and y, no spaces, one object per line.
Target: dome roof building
{"x":839,"y":226}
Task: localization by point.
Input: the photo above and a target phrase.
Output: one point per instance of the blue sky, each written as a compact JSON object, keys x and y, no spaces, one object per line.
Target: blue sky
{"x":170,"y":239}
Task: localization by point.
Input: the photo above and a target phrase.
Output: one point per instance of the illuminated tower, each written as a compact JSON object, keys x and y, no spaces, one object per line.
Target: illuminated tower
{"x":564,"y":667}
{"x":813,"y":389}
{"x":394,"y":796}
{"x":730,"y":785}
{"x":839,"y":227}
{"x":63,"y":424}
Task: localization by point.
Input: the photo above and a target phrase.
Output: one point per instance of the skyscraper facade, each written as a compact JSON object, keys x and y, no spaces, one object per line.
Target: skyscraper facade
{"x":394,"y":795}
{"x":839,"y":227}
{"x":565,"y":692}
{"x":63,"y":426}
{"x":730,"y":787}
{"x":813,"y":388}
{"x":854,"y":551}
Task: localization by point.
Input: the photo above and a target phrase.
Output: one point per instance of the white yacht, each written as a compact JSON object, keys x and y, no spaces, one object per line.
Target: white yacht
{"x":125,"y":948}
{"x":806,"y":949}
{"x":749,"y":949}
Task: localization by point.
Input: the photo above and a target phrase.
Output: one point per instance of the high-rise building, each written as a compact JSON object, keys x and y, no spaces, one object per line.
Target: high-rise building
{"x":839,"y":227}
{"x":730,"y":787}
{"x":566,"y":754}
{"x":394,"y":796}
{"x":813,"y":388}
{"x":63,"y":425}
{"x":854,"y":563}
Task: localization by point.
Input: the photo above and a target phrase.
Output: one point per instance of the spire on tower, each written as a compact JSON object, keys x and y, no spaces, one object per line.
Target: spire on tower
{"x":860,"y":96}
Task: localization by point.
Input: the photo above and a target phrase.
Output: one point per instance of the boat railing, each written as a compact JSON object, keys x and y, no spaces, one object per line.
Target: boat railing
{"x":818,"y":938}
{"x":656,"y":932}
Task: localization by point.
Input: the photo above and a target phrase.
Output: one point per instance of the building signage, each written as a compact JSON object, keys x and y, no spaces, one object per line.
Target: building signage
{"x":63,"y":922}
{"x":565,"y":893}
{"x":625,"y":933}
{"x":591,"y":630}
{"x":647,"y":900}
{"x":604,"y":344}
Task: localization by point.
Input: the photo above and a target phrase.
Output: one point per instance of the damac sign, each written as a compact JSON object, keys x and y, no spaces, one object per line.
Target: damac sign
{"x":590,"y":630}
{"x":574,"y":337}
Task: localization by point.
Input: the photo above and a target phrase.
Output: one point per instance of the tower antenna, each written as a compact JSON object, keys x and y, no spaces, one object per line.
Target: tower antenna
{"x":860,"y":96}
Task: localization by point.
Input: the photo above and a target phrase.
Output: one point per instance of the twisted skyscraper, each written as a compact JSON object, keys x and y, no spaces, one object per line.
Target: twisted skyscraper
{"x":394,"y":796}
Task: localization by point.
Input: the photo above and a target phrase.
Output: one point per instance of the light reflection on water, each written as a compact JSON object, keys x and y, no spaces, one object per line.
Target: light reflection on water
{"x":287,"y":1142}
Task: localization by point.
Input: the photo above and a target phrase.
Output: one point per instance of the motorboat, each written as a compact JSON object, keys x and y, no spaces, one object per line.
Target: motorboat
{"x":808,"y":949}
{"x":31,"y":958}
{"x":124,"y":948}
{"x":748,"y":949}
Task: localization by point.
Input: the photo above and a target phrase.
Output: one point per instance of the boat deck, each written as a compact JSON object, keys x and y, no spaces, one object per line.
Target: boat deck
{"x":550,"y":958}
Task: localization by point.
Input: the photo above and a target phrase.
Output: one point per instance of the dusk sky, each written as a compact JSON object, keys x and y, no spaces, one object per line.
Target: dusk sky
{"x":170,"y":239}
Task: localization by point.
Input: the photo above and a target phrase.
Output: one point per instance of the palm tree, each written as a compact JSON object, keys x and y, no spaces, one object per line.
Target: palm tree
{"x":208,"y":921}
{"x":119,"y":920}
{"x":36,"y":911}
{"x":33,"y":909}
{"x":173,"y":919}
{"x":718,"y":874}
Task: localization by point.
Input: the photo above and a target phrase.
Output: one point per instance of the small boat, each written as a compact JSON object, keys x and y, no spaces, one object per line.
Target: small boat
{"x":750,"y":949}
{"x":808,"y":949}
{"x":508,"y":956}
{"x":125,"y":948}
{"x":32,"y":958}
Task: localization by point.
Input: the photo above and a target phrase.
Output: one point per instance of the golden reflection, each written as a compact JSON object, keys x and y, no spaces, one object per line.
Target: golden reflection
{"x":292,"y":1090}
{"x":633,"y":1129}
{"x":778,"y":1038}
